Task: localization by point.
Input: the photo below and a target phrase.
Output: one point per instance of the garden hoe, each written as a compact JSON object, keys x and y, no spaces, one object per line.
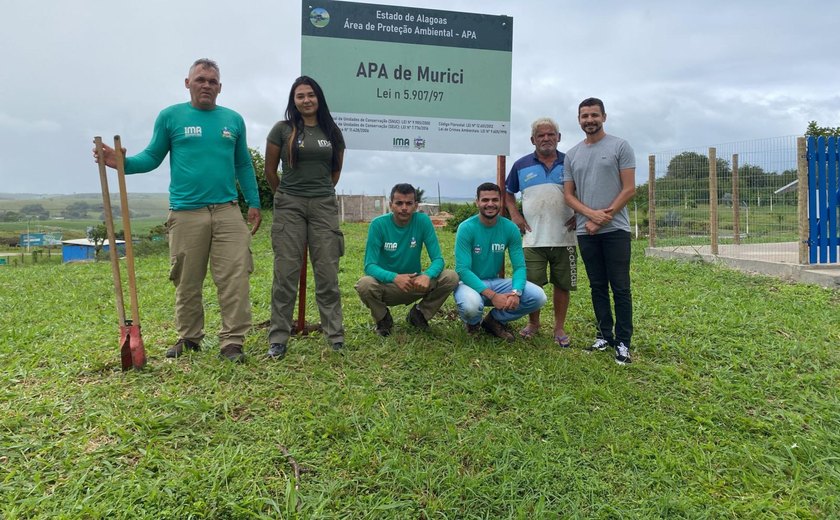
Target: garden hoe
{"x":132,"y":352}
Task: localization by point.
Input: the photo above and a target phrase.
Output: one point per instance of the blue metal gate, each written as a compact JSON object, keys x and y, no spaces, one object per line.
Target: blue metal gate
{"x":823,"y":199}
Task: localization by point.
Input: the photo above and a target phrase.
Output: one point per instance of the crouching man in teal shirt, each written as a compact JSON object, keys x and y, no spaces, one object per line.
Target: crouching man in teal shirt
{"x":392,"y":264}
{"x":480,"y":246}
{"x":208,"y":156}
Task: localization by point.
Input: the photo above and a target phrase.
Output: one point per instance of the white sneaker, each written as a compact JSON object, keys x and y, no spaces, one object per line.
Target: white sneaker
{"x":600,"y":345}
{"x":622,"y":354}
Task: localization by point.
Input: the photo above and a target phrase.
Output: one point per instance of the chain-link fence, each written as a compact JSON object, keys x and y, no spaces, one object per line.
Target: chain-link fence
{"x":735,"y":194}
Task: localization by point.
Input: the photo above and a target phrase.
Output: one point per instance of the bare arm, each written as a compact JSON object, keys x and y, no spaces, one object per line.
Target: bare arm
{"x":337,"y":173}
{"x":628,"y":189}
{"x":272,"y":162}
{"x":597,"y":216}
{"x":515,"y":215}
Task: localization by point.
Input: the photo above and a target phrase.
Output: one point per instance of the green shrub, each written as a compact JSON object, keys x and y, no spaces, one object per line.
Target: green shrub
{"x":460,"y":213}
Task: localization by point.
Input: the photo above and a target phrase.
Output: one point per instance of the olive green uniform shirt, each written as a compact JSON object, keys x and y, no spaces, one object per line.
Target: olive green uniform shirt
{"x":312,"y":175}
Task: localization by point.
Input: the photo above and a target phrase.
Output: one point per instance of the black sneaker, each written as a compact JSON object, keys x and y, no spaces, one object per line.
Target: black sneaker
{"x":233,"y":352}
{"x":622,"y":354}
{"x":178,"y":348}
{"x":383,"y":326}
{"x":338,"y":346}
{"x":600,"y":345}
{"x":415,"y":317}
{"x":277,"y":351}
{"x":497,"y":328}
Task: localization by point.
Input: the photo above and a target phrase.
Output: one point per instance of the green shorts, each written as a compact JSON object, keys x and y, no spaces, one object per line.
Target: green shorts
{"x":560,"y":261}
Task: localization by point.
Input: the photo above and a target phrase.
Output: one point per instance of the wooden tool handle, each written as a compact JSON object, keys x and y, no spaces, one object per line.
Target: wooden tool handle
{"x":109,"y":225}
{"x":129,"y":246}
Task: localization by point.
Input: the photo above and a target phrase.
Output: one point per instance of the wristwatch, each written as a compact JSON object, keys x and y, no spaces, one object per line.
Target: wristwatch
{"x":517,"y":292}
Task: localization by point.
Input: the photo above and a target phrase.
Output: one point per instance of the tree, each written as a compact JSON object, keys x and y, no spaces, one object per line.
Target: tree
{"x":266,"y":195}
{"x":693,"y":165}
{"x":686,"y":182}
{"x":35,"y":211}
{"x":420,"y":195}
{"x":817,"y":131}
{"x":641,"y":196}
{"x":77,"y":209}
{"x":97,"y":234}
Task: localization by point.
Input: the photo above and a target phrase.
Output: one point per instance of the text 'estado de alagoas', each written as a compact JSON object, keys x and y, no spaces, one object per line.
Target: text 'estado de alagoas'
{"x":375,"y":70}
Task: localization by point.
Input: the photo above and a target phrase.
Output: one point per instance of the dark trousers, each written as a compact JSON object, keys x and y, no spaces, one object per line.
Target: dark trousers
{"x":607,"y":260}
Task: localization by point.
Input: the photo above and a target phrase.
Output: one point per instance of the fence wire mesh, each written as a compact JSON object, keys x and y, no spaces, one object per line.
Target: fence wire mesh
{"x":755,"y":194}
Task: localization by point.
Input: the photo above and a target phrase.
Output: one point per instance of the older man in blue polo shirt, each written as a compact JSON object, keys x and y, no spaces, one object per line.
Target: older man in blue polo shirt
{"x":546,"y":222}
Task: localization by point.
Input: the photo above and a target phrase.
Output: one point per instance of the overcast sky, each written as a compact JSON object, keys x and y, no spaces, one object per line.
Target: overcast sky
{"x":672,"y":75}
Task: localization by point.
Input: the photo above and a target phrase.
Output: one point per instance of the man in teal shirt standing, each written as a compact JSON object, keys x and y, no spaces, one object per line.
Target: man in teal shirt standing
{"x":208,"y":156}
{"x":392,"y":264}
{"x":480,"y":246}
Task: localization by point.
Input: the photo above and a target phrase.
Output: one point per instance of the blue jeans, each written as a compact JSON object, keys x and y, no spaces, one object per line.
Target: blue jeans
{"x":607,"y":260}
{"x":471,"y":303}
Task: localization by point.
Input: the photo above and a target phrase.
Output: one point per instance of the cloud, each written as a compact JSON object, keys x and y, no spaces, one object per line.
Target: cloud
{"x":19,"y":125}
{"x":672,"y":75}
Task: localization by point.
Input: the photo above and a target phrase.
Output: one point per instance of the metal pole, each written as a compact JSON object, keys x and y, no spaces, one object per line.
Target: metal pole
{"x":651,"y":201}
{"x":713,"y":200}
{"x":736,"y":206}
{"x":636,"y":218}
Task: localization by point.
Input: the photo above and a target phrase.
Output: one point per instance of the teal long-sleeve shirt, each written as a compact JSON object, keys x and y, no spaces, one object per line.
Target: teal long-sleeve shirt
{"x":393,"y":250}
{"x":208,"y":154}
{"x":480,"y":252}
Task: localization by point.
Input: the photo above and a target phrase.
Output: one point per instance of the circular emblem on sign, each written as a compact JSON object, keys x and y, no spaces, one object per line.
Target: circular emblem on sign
{"x":319,"y":17}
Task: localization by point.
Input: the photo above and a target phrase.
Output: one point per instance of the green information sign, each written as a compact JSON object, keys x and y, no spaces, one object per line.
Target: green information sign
{"x":412,"y":79}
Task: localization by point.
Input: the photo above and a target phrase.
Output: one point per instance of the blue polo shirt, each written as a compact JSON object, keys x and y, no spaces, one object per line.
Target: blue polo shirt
{"x":543,"y":204}
{"x":528,"y":171}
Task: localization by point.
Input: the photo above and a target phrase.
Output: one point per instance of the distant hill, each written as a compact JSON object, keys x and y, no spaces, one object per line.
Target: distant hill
{"x":147,"y":204}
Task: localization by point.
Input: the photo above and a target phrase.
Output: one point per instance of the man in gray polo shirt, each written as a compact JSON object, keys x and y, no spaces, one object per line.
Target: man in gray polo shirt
{"x":599,"y":180}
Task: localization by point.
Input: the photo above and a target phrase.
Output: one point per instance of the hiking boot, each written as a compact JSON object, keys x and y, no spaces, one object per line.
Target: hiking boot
{"x":383,"y":326}
{"x":178,"y":348}
{"x":416,"y":318}
{"x":472,"y":330}
{"x":277,"y":351}
{"x":600,"y":345}
{"x":338,"y":346}
{"x":622,"y":354}
{"x":497,"y":328}
{"x":233,"y":352}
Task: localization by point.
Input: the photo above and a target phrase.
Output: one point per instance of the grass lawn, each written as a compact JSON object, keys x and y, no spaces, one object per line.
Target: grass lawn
{"x":729,"y":410}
